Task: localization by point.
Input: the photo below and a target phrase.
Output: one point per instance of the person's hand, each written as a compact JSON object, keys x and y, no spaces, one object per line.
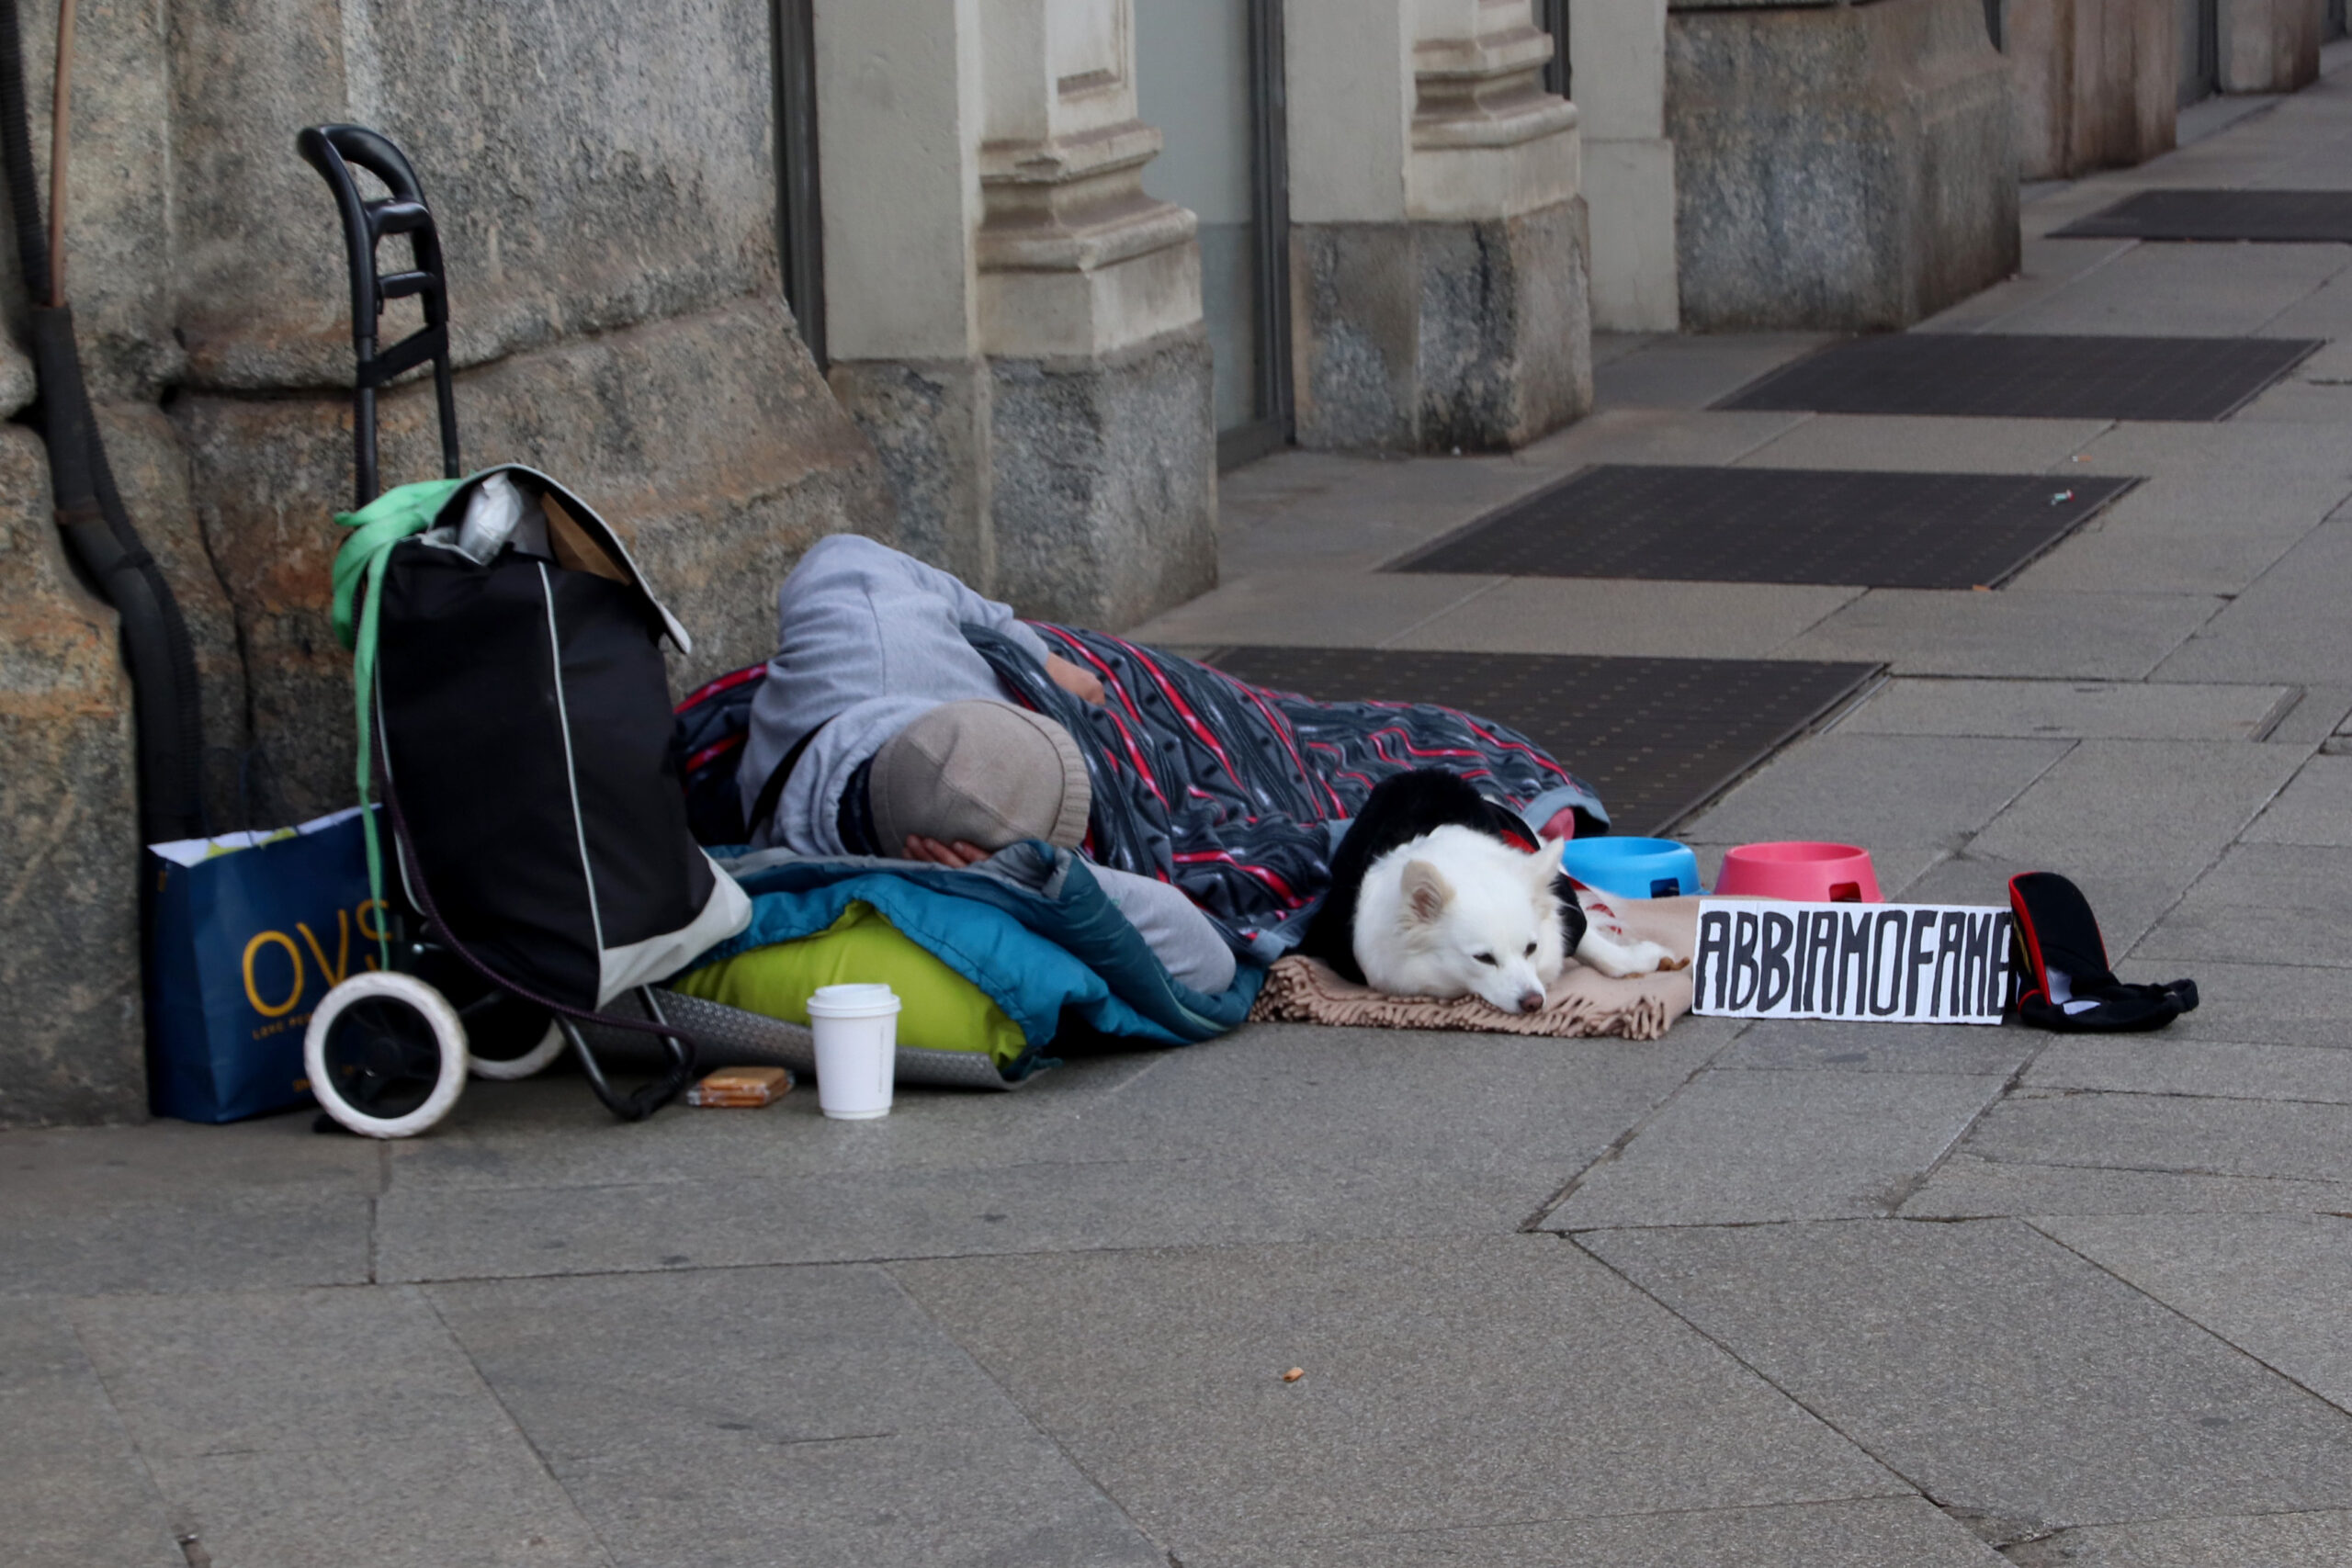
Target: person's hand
{"x":1078,"y":682}
{"x":957,"y":856}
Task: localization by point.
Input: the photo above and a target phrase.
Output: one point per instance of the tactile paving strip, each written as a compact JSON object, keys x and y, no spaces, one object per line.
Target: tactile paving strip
{"x":2276,"y":217}
{"x":2000,"y":374}
{"x":1658,"y":737}
{"x":1871,"y":530}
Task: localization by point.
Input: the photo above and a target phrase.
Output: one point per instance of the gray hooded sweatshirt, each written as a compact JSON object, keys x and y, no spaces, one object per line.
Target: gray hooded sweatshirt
{"x":869,"y":639}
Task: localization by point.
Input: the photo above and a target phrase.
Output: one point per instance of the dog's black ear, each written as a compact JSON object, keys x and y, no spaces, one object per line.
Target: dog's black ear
{"x":1573,"y":920}
{"x":1426,"y":890}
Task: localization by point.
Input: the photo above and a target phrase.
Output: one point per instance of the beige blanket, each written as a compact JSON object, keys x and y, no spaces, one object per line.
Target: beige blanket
{"x":1582,"y":1002}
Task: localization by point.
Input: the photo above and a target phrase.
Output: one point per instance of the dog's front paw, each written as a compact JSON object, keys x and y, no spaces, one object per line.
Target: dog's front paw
{"x":1623,"y":961}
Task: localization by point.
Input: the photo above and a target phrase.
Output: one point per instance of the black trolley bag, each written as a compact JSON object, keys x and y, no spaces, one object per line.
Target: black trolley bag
{"x":514,"y":720}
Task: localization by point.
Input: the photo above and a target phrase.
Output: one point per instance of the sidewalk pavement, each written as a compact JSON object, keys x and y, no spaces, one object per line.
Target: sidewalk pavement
{"x":1780,"y":1296}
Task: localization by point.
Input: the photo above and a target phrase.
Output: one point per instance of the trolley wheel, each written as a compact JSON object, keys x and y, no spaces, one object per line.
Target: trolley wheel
{"x":506,"y":1037}
{"x":549,"y":1047}
{"x":386,"y":1055}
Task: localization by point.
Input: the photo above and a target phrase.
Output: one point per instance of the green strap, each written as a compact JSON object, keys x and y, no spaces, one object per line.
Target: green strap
{"x":383,"y":523}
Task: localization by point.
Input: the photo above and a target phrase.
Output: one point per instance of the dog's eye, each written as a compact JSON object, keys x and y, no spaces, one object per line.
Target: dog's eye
{"x":1485,"y":958}
{"x":1531,"y":949}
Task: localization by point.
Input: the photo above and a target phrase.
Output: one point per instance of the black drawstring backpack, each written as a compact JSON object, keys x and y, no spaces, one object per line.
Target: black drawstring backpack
{"x":507,"y":660}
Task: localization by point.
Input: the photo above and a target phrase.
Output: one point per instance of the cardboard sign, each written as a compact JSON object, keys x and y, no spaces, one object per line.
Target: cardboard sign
{"x":1874,"y":962}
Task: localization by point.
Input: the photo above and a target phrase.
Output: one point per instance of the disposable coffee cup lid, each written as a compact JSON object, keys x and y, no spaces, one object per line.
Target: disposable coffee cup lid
{"x":852,"y":1001}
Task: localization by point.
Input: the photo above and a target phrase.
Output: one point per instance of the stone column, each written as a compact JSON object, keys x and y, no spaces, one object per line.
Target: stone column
{"x":605,"y":179}
{"x":1438,"y":242}
{"x":2270,"y":46}
{"x":1015,"y":323}
{"x":2098,"y":83}
{"x":1618,"y":51}
{"x":1843,"y":168}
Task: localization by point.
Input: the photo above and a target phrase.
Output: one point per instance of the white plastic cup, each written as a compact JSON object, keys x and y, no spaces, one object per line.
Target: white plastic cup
{"x":856,"y":1029}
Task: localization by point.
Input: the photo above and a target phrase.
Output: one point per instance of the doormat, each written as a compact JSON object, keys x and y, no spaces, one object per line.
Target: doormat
{"x":1658,"y":737}
{"x":2270,"y":217}
{"x":1999,"y":375}
{"x":1693,"y":525}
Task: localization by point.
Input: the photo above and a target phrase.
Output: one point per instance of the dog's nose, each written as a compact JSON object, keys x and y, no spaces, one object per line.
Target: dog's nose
{"x":1531,"y":1001}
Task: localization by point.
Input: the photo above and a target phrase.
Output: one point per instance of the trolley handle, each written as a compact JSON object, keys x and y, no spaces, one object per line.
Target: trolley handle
{"x":333,"y":150}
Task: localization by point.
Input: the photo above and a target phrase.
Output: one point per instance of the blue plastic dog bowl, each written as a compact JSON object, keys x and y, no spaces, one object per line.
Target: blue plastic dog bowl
{"x":1633,"y":868}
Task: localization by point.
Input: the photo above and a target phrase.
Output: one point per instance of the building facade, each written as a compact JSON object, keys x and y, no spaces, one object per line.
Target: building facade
{"x":1006,"y":282}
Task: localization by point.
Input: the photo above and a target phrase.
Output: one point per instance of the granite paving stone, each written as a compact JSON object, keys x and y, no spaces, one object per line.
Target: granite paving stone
{"x":2316,"y":716}
{"x":71,"y":1488}
{"x":1969,"y":1187}
{"x":1877,"y":790}
{"x":1868,"y":1533}
{"x":748,"y":1416}
{"x":2197,"y":1135}
{"x":2333,"y":363}
{"x":2138,"y":808}
{"x":2270,"y":1003}
{"x":2017,"y":632}
{"x":1747,"y":1147}
{"x":2164,"y":554}
{"x":2316,"y":808}
{"x":2281,"y":502}
{"x":2320,"y":1539}
{"x":2219,"y":1068}
{"x":2069,"y":709}
{"x":1342,"y":1133}
{"x":2253,"y":455}
{"x":425,"y":1504}
{"x":513,"y":1232}
{"x":326,"y":1428}
{"x":1324,"y":512}
{"x":2263,"y":904}
{"x":2044,"y":267}
{"x":1468,"y":1101}
{"x":1306,"y":608}
{"x":2302,"y":401}
{"x":1926,"y":443}
{"x":2273,"y":1285}
{"x":1624,"y":619}
{"x":1796,"y":1045}
{"x":1660,"y":436}
{"x":1692,"y":372}
{"x":2289,"y":625}
{"x":199,"y":1243}
{"x":2016,"y":1383}
{"x":2126,"y":905}
{"x":60,"y":1171}
{"x":2209,"y":290}
{"x":1448,"y":1384}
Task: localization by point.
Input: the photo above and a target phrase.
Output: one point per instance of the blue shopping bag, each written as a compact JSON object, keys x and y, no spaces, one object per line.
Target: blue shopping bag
{"x":251,"y":931}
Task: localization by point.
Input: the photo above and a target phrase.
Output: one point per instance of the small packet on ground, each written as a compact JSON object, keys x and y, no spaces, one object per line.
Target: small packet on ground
{"x":742,"y":1088}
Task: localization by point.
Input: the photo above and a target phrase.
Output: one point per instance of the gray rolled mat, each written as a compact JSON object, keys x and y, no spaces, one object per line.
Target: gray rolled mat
{"x":733,"y":1038}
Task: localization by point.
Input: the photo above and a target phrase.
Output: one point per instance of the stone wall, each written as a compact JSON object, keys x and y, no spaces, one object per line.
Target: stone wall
{"x":2270,"y":46}
{"x":603,"y":177}
{"x":1441,"y":276}
{"x":2098,"y":83}
{"x":1838,"y":168}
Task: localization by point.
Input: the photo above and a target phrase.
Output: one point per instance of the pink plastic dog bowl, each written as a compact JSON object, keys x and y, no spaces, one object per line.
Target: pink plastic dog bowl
{"x":1803,"y":872}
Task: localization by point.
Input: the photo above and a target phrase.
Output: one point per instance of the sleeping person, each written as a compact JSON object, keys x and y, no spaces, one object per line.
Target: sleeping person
{"x":906,"y":716}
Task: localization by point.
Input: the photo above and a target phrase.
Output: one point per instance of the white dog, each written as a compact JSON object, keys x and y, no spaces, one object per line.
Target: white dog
{"x":1458,"y":912}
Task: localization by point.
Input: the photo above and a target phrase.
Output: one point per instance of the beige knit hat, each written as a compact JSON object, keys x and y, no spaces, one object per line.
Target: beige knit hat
{"x":988,"y":772}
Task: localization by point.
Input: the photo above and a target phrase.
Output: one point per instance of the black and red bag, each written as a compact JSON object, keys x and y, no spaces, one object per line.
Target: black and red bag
{"x":2068,"y":984}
